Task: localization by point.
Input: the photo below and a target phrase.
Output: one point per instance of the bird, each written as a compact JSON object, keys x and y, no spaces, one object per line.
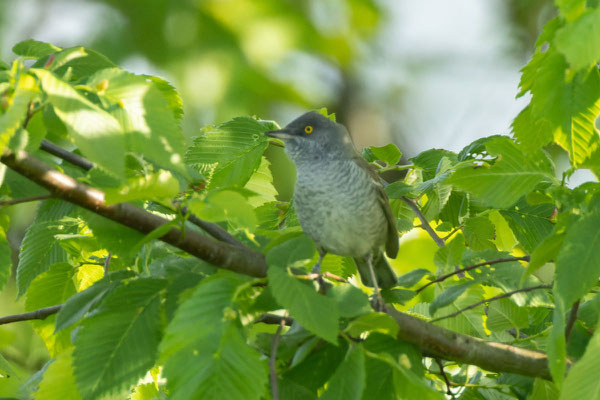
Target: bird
{"x":339,"y":199}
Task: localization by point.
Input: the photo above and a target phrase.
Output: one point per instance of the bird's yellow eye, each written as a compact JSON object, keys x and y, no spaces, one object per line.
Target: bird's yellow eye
{"x":308,"y":129}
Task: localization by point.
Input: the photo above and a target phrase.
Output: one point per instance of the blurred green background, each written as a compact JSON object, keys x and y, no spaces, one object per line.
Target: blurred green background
{"x":424,"y":74}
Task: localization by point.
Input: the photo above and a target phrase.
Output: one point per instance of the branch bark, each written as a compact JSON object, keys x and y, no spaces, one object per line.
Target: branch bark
{"x":42,"y":313}
{"x":491,"y":356}
{"x":224,"y":255}
{"x":432,"y":339}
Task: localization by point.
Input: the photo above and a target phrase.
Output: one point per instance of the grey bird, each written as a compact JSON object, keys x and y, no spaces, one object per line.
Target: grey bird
{"x":340,"y":201}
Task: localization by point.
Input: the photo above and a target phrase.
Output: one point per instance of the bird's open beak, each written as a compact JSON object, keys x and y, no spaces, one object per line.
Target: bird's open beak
{"x":282,"y":134}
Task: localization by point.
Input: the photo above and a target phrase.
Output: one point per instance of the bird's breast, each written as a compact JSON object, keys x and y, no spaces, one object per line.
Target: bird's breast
{"x":338,"y":207}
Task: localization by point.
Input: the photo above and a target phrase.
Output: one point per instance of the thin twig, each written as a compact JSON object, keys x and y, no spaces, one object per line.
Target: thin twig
{"x":273,"y":319}
{"x":438,"y":240}
{"x":25,"y":200}
{"x":462,"y":270}
{"x":42,"y":313}
{"x":448,"y":236}
{"x":66,"y":155}
{"x":500,"y":296}
{"x":572,"y":319}
{"x":212,"y":229}
{"x":443,"y":373}
{"x":273,"y":360}
{"x":107,"y":264}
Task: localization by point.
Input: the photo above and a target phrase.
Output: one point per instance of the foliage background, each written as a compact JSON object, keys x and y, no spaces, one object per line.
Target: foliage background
{"x":274,"y":60}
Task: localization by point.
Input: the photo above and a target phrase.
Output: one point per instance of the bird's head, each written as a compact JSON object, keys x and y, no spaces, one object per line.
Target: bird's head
{"x":314,"y":136}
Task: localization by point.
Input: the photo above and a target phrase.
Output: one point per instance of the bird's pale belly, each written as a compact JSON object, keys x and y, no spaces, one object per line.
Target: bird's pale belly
{"x":342,"y":216}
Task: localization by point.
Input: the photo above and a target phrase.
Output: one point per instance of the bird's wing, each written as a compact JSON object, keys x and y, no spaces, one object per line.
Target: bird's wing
{"x":391,"y":244}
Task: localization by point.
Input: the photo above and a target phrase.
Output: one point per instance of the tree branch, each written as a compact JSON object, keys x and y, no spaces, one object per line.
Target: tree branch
{"x":25,"y":200}
{"x":459,"y":271}
{"x":491,"y":356}
{"x":425,"y":224}
{"x":500,"y":296}
{"x":212,"y":229}
{"x":572,"y":319}
{"x":224,"y":255}
{"x":66,"y":155}
{"x":42,"y":313}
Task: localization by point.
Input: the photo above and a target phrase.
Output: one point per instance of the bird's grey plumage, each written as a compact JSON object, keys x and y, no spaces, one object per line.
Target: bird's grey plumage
{"x":340,"y":202}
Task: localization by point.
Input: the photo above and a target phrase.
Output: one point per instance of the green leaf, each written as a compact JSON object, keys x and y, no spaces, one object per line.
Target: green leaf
{"x":145,"y":115}
{"x":294,"y":253}
{"x":34,"y":49}
{"x":531,"y":132}
{"x":530,"y":224}
{"x":5,"y":252}
{"x":229,"y":153}
{"x":408,"y":385}
{"x":261,"y":183}
{"x":159,"y":186}
{"x":566,"y":107}
{"x":225,"y":205}
{"x":323,"y":112}
{"x":578,"y":264}
{"x":315,"y":370}
{"x":51,"y":288}
{"x":399,"y":189}
{"x":348,"y":381}
{"x":92,"y":129}
{"x":116,"y":238}
{"x":317,"y":313}
{"x":582,"y":381}
{"x":479,"y":233}
{"x":556,"y":346}
{"x":571,"y":9}
{"x":448,"y":296}
{"x":511,"y":176}
{"x":351,"y":301}
{"x":504,"y":314}
{"x":543,"y":390}
{"x":397,"y":296}
{"x":58,"y":381}
{"x":6,"y":370}
{"x":429,"y":161}
{"x":373,"y":322}
{"x":11,"y":121}
{"x":79,"y":304}
{"x":389,"y":154}
{"x":448,"y":257}
{"x":205,"y":355}
{"x":579,"y":40}
{"x":117,"y":345}
{"x":39,"y":248}
{"x":75,"y":62}
{"x":413,"y":277}
{"x":547,"y":250}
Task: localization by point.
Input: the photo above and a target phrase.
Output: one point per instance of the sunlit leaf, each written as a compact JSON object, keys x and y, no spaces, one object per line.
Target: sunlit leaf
{"x":118,"y":344}
{"x":511,"y":176}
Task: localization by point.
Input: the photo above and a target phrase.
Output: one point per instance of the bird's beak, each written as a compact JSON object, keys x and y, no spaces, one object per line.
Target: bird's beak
{"x":282,"y":134}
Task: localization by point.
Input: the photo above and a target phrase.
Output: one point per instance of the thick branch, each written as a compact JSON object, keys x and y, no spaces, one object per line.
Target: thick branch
{"x":491,"y":356}
{"x":42,"y":313}
{"x":470,"y":267}
{"x":224,"y":255}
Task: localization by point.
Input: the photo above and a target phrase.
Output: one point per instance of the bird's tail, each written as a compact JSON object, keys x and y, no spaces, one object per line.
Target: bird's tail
{"x":383,"y":272}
